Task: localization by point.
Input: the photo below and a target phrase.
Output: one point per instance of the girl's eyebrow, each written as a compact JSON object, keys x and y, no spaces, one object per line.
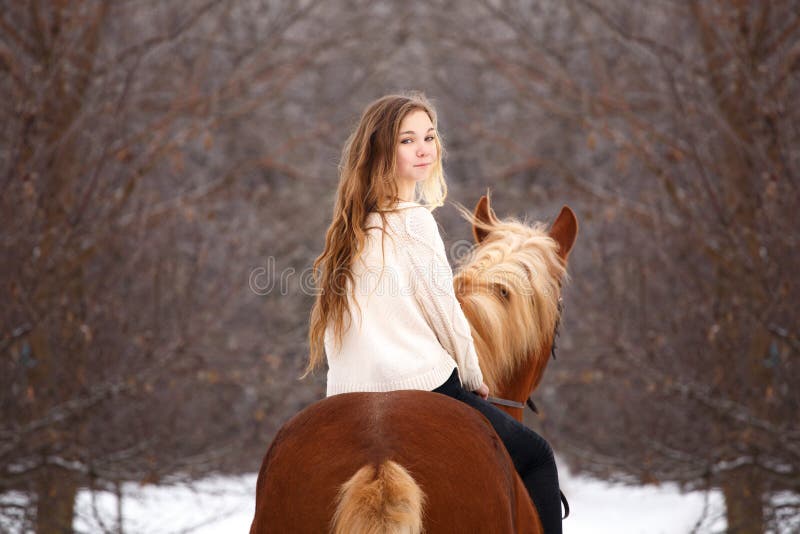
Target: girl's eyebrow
{"x":412,"y":132}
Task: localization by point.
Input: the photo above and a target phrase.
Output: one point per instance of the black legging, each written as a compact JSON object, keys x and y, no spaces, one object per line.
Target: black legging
{"x":532,"y":456}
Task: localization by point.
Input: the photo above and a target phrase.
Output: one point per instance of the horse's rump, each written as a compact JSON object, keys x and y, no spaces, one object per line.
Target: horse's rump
{"x":413,"y":438}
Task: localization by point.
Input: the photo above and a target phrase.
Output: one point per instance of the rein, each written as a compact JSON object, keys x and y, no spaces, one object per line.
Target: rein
{"x":514,"y":404}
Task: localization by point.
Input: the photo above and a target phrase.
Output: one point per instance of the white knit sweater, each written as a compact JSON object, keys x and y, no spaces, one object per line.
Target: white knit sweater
{"x":411,"y":331}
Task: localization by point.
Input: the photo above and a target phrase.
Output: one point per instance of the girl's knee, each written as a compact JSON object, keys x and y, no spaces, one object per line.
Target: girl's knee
{"x":547,"y":450}
{"x":542,"y":452}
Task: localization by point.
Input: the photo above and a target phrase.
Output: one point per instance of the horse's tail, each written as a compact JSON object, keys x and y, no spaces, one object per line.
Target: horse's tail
{"x":389,"y":501}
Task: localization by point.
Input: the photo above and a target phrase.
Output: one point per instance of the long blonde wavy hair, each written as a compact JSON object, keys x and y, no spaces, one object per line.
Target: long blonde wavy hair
{"x":367,"y":172}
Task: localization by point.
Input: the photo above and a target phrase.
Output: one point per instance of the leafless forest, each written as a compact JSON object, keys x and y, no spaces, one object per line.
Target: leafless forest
{"x":167,"y":171}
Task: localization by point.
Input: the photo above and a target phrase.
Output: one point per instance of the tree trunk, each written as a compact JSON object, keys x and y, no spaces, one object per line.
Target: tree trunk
{"x":55,"y":507}
{"x":743,"y":502}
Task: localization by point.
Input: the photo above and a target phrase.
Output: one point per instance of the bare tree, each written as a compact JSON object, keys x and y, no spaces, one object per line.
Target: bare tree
{"x":151,"y":156}
{"x":162,"y":163}
{"x":673,"y":124}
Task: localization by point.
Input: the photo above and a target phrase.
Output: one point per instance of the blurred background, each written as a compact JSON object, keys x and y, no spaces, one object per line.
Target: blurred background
{"x":168,"y":170}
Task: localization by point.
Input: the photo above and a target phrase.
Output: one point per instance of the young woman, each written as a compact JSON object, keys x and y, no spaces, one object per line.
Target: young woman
{"x":387,"y":315}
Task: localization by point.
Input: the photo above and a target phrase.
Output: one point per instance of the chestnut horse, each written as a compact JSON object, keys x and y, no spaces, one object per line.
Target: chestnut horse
{"x":413,"y":461}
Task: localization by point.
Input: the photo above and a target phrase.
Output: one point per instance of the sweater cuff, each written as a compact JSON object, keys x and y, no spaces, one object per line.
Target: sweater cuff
{"x":472,"y":381}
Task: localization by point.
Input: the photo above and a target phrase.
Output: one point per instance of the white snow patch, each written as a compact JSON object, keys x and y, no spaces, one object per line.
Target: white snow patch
{"x":221,"y":505}
{"x":600,"y":507}
{"x":213,"y":505}
{"x":226,"y":505}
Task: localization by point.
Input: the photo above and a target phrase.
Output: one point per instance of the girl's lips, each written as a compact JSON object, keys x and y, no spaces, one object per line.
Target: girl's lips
{"x":422,"y":165}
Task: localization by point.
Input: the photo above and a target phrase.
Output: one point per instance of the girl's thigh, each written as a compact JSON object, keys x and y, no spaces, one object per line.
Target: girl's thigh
{"x":524,"y":445}
{"x":506,"y":426}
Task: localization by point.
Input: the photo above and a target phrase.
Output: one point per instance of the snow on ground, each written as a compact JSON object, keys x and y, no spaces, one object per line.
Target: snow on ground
{"x":599,"y":507}
{"x":216,"y":505}
{"x":225,"y":505}
{"x":222,"y":505}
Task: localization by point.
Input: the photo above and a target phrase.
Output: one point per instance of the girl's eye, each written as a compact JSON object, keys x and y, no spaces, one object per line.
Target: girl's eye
{"x":429,"y":138}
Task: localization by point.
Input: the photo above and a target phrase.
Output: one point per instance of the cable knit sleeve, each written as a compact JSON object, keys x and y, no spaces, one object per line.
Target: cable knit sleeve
{"x":432,"y":280}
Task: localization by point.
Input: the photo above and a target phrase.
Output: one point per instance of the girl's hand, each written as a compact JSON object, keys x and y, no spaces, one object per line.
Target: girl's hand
{"x":483,"y":391}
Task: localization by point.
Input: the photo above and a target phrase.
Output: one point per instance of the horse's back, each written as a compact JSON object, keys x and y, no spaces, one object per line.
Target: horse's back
{"x":449,"y":449}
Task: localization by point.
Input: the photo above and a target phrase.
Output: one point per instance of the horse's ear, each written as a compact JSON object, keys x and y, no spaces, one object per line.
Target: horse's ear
{"x":485,"y":214}
{"x":564,"y":230}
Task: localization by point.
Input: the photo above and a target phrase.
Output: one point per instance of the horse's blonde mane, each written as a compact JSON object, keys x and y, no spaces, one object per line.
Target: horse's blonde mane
{"x":523,"y":259}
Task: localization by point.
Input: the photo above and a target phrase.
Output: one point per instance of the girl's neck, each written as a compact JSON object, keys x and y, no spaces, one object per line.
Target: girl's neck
{"x":405,"y":191}
{"x":391,"y":205}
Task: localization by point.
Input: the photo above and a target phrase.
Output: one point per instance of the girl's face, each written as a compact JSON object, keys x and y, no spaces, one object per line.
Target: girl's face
{"x":416,"y":151}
